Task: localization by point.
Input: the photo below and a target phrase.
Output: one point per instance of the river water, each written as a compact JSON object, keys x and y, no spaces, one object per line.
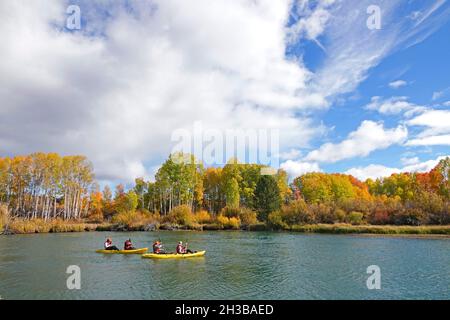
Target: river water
{"x":237,"y":265}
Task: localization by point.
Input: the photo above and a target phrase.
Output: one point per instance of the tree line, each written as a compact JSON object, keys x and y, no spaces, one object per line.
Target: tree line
{"x":50,"y":186}
{"x":46,"y":186}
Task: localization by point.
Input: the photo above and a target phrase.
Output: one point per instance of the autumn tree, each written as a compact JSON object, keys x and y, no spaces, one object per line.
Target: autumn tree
{"x":267,"y":196}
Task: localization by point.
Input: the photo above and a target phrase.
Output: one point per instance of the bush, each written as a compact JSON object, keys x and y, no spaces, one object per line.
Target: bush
{"x":323,"y":213}
{"x":134,"y":218}
{"x":340,"y":215}
{"x":434,"y":205}
{"x":4,"y":216}
{"x":355,"y":218}
{"x":230,"y":212}
{"x":248,"y":217}
{"x":228,"y":223}
{"x":411,"y":217}
{"x":234,"y":223}
{"x":275,"y":221}
{"x":245,"y":215}
{"x":95,"y":216}
{"x":358,"y":205}
{"x":203,"y":217}
{"x":181,"y":215}
{"x":296,"y":212}
{"x":380,"y":217}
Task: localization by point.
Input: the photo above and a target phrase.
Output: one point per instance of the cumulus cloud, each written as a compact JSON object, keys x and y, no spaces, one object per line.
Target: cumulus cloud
{"x":374,"y":171}
{"x":437,"y":128}
{"x":298,"y":168}
{"x":117,"y":89}
{"x":436,"y":121}
{"x":370,"y":136}
{"x":440,"y":140}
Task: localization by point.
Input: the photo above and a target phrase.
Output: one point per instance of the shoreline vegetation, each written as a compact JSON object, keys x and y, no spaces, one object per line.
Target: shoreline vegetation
{"x":47,"y":193}
{"x":40,"y":226}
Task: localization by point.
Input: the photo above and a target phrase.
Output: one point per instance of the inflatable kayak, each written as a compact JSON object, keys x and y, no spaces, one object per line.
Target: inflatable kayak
{"x":173,"y":255}
{"x":135,"y":251}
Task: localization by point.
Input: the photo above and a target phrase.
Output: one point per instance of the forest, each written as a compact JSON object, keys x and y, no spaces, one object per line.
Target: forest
{"x":184,"y":194}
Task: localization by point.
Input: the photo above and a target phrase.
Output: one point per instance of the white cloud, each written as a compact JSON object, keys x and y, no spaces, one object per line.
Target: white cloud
{"x":397,"y":84}
{"x":439,"y":94}
{"x":311,"y":27}
{"x":409,"y":161}
{"x":394,"y":105}
{"x":310,"y":22}
{"x":439,"y":140}
{"x":116,"y":90}
{"x":297,"y":168}
{"x":437,"y":130}
{"x":436,"y":121}
{"x":425,"y":166}
{"x":372,"y":171}
{"x":378,"y":171}
{"x":446,"y":104}
{"x":370,"y":136}
{"x":291,"y":154}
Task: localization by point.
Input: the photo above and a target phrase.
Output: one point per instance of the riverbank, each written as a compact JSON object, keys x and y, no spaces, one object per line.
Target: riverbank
{"x":19,"y":226}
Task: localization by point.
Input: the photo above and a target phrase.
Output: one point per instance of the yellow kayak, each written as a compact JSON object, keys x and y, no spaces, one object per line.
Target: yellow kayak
{"x":135,"y":251}
{"x":173,"y":255}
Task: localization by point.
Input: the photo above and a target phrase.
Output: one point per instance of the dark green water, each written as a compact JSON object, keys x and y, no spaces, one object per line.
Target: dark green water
{"x":238,"y":265}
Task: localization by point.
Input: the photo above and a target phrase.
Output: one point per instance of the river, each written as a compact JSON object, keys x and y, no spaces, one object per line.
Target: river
{"x":237,"y":265}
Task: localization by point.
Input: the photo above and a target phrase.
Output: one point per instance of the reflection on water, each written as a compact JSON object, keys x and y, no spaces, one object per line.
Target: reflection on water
{"x":238,"y":265}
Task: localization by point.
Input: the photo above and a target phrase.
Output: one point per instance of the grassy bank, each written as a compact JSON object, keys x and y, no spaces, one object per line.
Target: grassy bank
{"x":19,"y":226}
{"x":371,"y":229}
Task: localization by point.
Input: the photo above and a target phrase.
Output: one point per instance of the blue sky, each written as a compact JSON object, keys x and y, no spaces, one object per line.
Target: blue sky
{"x":418,"y":73}
{"x":425,"y":67}
{"x":344,"y":97}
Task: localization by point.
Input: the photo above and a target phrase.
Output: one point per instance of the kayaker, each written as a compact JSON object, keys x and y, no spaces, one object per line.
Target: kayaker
{"x":109,"y":246}
{"x":128,"y":245}
{"x":158,"y":247}
{"x":182,"y":249}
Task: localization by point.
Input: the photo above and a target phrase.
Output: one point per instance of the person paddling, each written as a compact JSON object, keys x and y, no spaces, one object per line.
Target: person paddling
{"x":158,"y":247}
{"x":109,"y":246}
{"x":128,"y":245}
{"x":182,"y":249}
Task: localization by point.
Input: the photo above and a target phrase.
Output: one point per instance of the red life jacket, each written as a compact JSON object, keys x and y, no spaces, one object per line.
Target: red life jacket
{"x":180,"y":249}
